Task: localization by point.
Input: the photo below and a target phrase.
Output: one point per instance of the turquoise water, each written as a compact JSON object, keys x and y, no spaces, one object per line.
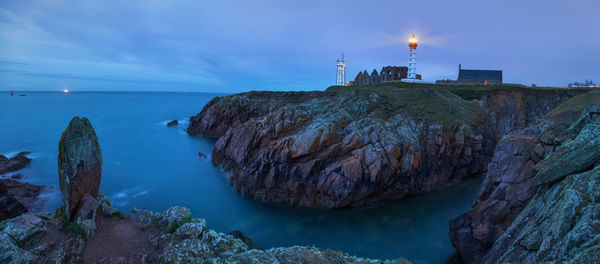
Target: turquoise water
{"x":150,"y":166}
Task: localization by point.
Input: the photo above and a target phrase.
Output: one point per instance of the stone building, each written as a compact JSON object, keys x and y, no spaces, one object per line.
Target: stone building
{"x":478,"y":76}
{"x":387,"y":74}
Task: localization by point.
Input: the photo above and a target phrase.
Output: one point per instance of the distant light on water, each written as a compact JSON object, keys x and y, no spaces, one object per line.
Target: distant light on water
{"x":66,"y":90}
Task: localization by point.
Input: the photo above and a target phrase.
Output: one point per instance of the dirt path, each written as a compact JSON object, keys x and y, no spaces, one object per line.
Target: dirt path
{"x":117,"y":240}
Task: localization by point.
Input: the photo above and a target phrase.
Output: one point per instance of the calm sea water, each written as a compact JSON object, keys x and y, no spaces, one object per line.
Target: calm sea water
{"x":150,"y":166}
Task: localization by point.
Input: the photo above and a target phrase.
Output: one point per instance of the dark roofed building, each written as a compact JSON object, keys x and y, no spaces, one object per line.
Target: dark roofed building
{"x":479,"y":76}
{"x":387,"y":74}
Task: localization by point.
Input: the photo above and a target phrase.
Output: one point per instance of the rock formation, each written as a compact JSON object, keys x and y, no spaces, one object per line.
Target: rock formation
{"x":173,"y":123}
{"x":9,"y":206}
{"x":79,"y":164}
{"x":328,"y":149}
{"x":17,"y":198}
{"x":526,"y":162}
{"x":354,"y":146}
{"x":249,"y":243}
{"x":562,"y":221}
{"x":17,"y":162}
{"x":146,"y":237}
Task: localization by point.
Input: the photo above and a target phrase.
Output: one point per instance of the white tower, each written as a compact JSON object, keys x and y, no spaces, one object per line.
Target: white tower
{"x":340,"y":78}
{"x":411,"y":76}
{"x":412,"y":58}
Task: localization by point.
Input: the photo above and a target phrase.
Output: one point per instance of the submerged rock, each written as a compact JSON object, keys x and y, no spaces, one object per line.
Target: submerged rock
{"x":17,"y":176}
{"x":79,"y":164}
{"x":173,"y":123}
{"x":17,"y":162}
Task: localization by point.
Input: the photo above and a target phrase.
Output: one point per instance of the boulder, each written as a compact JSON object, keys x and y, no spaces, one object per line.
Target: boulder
{"x":17,"y":162}
{"x":86,"y":215}
{"x":79,"y":164}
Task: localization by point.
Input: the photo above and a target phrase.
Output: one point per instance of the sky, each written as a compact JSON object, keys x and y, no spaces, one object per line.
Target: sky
{"x":234,"y":46}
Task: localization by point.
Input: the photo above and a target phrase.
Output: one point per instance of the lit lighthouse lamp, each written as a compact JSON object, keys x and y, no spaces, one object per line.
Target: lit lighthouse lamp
{"x":412,"y":42}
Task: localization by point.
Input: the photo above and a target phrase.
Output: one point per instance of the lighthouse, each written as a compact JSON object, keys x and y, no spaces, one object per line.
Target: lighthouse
{"x":340,"y":77}
{"x":411,"y":76}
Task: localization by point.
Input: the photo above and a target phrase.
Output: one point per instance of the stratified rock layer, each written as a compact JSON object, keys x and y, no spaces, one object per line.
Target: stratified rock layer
{"x":523,"y":161}
{"x":359,"y":145}
{"x":326,"y":149}
{"x":79,"y":163}
{"x":562,"y":222}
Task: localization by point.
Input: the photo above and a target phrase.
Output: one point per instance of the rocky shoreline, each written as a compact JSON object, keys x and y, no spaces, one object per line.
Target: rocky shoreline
{"x":87,"y":229}
{"x":363,"y":145}
{"x":538,"y":151}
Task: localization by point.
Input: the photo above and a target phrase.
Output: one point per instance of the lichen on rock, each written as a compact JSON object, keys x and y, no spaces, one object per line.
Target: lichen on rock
{"x":79,"y":163}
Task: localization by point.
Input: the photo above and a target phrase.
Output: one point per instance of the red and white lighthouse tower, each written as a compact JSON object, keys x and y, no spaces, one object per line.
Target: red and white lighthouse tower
{"x":412,"y":58}
{"x":411,"y":76}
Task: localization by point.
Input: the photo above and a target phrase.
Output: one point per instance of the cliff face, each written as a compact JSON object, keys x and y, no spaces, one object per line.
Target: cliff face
{"x":509,"y":110}
{"x":326,"y":149}
{"x":520,"y":167}
{"x":351,"y":147}
{"x":562,"y":221}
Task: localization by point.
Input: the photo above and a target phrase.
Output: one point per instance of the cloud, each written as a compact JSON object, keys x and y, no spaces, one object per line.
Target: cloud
{"x":230,"y":46}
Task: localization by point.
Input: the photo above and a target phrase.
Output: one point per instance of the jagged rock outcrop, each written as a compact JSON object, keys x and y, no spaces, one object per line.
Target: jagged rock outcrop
{"x":79,"y":164}
{"x":562,"y":222}
{"x":17,"y":162}
{"x":324,"y":149}
{"x":362,"y":144}
{"x":511,"y":180}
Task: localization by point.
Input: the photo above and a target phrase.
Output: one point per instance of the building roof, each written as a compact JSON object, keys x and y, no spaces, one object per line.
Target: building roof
{"x":480,"y":74}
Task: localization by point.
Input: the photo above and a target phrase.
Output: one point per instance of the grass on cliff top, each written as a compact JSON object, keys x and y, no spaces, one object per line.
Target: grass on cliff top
{"x":466,"y":91}
{"x":428,"y":103}
{"x":565,"y":114}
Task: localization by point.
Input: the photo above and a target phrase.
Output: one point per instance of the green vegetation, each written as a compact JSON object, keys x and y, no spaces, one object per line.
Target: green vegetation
{"x":3,"y":222}
{"x":17,"y":242}
{"x":61,"y":216}
{"x":569,"y":111}
{"x":66,"y":225}
{"x":74,"y":228}
{"x":465,"y":91}
{"x":447,"y":104}
{"x":426,"y":103}
{"x":118,"y":214}
{"x":176,"y":224}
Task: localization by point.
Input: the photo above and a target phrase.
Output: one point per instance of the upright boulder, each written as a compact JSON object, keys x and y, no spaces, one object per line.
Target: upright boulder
{"x":79,"y":164}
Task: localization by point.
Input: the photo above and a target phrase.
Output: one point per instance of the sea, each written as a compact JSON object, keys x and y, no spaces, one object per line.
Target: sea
{"x":148,"y":165}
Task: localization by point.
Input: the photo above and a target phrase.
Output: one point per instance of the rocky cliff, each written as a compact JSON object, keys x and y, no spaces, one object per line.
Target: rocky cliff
{"x":345,"y":148}
{"x":359,"y":145}
{"x":525,"y":162}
